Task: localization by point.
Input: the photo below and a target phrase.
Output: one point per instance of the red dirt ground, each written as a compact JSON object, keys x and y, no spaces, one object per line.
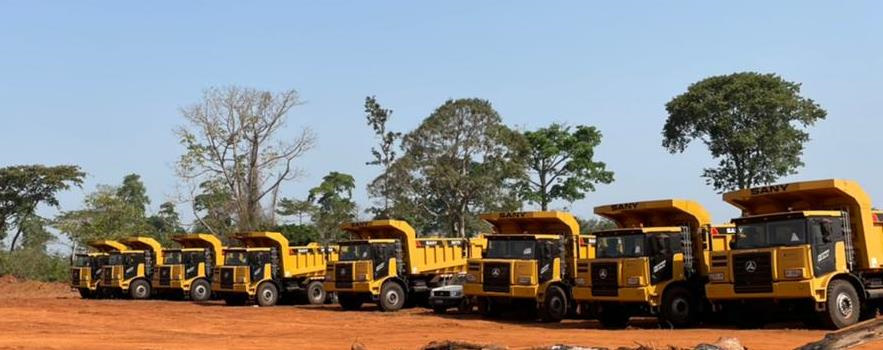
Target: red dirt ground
{"x":50,"y":316}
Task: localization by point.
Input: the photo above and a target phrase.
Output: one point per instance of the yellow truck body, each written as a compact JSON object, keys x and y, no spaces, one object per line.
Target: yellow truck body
{"x":188,"y":270}
{"x":86,"y":268}
{"x":388,"y":264}
{"x":267,"y":268}
{"x":530,"y":259}
{"x":128,"y":272}
{"x":812,"y":247}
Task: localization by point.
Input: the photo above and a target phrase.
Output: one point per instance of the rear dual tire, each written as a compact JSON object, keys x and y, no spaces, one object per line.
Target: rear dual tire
{"x":316,"y":294}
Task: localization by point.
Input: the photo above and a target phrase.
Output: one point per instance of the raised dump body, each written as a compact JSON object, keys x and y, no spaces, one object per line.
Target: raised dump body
{"x":812,"y":247}
{"x":267,"y":268}
{"x":654,"y":263}
{"x":128,"y":272}
{"x":387,"y":263}
{"x":188,"y":270}
{"x":530,"y":259}
{"x":86,"y":268}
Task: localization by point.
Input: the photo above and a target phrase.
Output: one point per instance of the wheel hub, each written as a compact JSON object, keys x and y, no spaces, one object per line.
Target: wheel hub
{"x":392,"y":298}
{"x":844,"y":305}
{"x":680,"y":307}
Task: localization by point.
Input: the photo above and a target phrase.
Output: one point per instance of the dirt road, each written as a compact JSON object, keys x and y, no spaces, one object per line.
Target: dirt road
{"x":44,"y":316}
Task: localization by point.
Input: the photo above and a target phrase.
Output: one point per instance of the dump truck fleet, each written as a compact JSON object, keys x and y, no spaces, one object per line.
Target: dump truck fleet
{"x":813,"y":249}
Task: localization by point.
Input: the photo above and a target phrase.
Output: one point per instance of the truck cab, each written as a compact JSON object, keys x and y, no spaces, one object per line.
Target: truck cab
{"x":810,"y":247}
{"x":86,"y":268}
{"x":654,"y":263}
{"x":530,"y":259}
{"x":128,"y":272}
{"x":188,"y":270}
{"x":267,"y":268}
{"x":386,"y":263}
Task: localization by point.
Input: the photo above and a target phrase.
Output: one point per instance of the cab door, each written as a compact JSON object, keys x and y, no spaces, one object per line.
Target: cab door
{"x":824,"y":233}
{"x":661,"y":258}
{"x":381,"y":253}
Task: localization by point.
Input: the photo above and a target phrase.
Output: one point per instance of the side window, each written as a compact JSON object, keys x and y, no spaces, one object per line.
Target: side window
{"x":675,"y":243}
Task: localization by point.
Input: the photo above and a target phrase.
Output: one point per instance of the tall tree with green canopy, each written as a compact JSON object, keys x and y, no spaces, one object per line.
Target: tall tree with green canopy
{"x":105,"y":215}
{"x":24,"y":187}
{"x":335,"y":206}
{"x":384,"y":155}
{"x":561,"y":164}
{"x":133,"y":192}
{"x":166,"y":221}
{"x":296,"y":207}
{"x":214,"y":208}
{"x":460,"y":161}
{"x":753,"y":123}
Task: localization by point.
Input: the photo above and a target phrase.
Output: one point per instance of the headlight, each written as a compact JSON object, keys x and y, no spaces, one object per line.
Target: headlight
{"x":362,"y":278}
{"x":633,"y":281}
{"x":456,"y":293}
{"x":716,"y":276}
{"x":793,"y":273}
{"x":524,"y":280}
{"x":580,"y":281}
{"x":471,"y":278}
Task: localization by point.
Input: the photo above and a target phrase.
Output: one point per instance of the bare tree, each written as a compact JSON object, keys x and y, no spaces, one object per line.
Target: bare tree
{"x":233,"y":136}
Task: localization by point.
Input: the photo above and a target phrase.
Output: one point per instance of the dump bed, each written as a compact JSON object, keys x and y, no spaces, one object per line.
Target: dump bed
{"x":205,"y":241}
{"x":297,"y":261}
{"x":542,"y":223}
{"x":146,"y":244}
{"x":106,"y":245}
{"x":477,"y":245}
{"x":422,"y":255}
{"x":830,"y":194}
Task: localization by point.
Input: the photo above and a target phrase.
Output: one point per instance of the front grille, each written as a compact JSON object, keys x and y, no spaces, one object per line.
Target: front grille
{"x":752,"y":273}
{"x":605,"y":277}
{"x":442,"y":293}
{"x":343,"y":275}
{"x":165,"y":275}
{"x":227,"y":277}
{"x":495,"y":277}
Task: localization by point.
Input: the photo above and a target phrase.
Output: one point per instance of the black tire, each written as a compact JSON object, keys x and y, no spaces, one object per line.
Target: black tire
{"x":316,"y":293}
{"x":613,"y":316}
{"x":85,"y":293}
{"x":235,"y":299}
{"x":679,"y":307}
{"x":440,"y":310}
{"x":392,"y":297}
{"x":465,"y":306}
{"x":843,"y":307}
{"x":139,"y":290}
{"x":488,"y":308}
{"x":200,"y":291}
{"x":267,"y":294}
{"x":554,"y":306}
{"x":350,"y":302}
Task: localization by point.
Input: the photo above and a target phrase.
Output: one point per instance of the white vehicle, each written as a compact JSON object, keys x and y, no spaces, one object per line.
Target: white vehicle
{"x":450,"y":296}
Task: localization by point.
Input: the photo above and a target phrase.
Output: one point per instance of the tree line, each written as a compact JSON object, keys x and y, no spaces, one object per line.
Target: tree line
{"x":461,"y":160}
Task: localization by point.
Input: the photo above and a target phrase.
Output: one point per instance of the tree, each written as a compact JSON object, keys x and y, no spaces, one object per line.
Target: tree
{"x":560,"y":164}
{"x":752,"y":123}
{"x":34,"y":233}
{"x":384,"y":154}
{"x":213,"y":208}
{"x":587,"y":226}
{"x":24,"y":187}
{"x":105,"y":215}
{"x":333,"y":198}
{"x":234,"y":135}
{"x":459,"y":161}
{"x":133,"y":192}
{"x":166,"y":221}
{"x":296,"y":207}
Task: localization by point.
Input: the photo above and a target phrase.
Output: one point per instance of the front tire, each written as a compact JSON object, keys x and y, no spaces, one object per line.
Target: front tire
{"x":392,"y":297}
{"x":267,"y":294}
{"x":554,"y":307}
{"x":843,"y":306}
{"x":679,"y":307}
{"x":200,"y":291}
{"x":316,"y":293}
{"x":139,"y":290}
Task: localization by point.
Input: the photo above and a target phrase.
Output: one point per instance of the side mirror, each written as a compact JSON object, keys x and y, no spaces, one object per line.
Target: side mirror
{"x":733,"y":243}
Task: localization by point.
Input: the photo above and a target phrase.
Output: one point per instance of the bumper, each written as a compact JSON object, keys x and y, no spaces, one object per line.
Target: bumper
{"x":446,"y":301}
{"x":238,"y":288}
{"x":357,"y":287}
{"x":515,"y":291}
{"x":626,"y":295}
{"x":781,"y":290}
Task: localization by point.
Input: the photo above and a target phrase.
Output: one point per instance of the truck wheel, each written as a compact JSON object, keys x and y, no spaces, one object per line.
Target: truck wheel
{"x":235,"y":300}
{"x":316,"y":293}
{"x":392,"y":297}
{"x":267,"y":294}
{"x":613,"y":316}
{"x":554,"y":307}
{"x":139,"y":290}
{"x":843,"y":305}
{"x":200,"y":291}
{"x":85,"y":293}
{"x":678,"y":307}
{"x":350,"y":302}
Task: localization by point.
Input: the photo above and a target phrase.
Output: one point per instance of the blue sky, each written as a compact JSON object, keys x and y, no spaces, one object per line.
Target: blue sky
{"x":99,"y":84}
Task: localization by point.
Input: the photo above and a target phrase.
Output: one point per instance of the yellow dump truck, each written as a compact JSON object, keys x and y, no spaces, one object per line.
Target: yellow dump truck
{"x":654,"y":263}
{"x":530,"y":259}
{"x":813,"y":247}
{"x":188,"y":271}
{"x":86,"y":268}
{"x":267,"y":268}
{"x":386,"y":263}
{"x":128,"y":272}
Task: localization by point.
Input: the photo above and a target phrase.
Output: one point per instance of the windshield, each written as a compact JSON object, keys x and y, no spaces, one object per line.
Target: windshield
{"x":82,"y":261}
{"x":235,"y":258}
{"x":171,"y":257}
{"x":621,"y":246}
{"x":523,"y":249}
{"x":115,"y":259}
{"x":355,"y":252}
{"x":771,"y":234}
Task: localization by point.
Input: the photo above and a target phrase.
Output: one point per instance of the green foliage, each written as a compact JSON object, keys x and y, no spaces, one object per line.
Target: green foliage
{"x":587,"y":226}
{"x":751,"y":122}
{"x":460,"y":161}
{"x":34,"y":233}
{"x":561,"y":165}
{"x":165,"y":223}
{"x":296,"y":207}
{"x":335,"y":206}
{"x":384,"y":156}
{"x":299,"y":234}
{"x":215,"y":209}
{"x":104,"y":216}
{"x":133,"y":192}
{"x":24,"y":187}
{"x":34,"y":264}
